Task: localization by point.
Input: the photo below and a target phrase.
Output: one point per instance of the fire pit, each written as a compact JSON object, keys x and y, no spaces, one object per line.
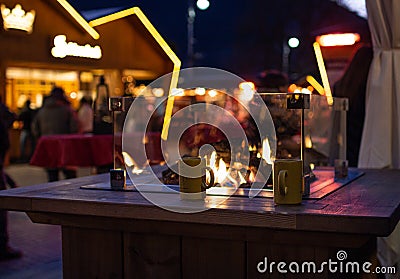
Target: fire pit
{"x":238,"y":131}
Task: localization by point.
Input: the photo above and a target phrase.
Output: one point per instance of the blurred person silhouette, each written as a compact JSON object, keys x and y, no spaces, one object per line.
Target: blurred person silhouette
{"x":7,"y":117}
{"x":6,"y":120}
{"x":55,"y":117}
{"x":352,"y":85}
{"x":102,"y":121}
{"x":272,"y":81}
{"x":85,"y":115}
{"x":26,"y":116}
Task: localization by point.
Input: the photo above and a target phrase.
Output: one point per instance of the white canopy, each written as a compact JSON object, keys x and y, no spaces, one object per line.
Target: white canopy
{"x":380,"y":144}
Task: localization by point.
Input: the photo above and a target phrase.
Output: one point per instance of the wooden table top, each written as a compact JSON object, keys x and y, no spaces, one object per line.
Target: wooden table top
{"x":369,"y":205}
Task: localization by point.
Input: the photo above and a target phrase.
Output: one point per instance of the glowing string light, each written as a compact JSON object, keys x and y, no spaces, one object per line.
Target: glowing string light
{"x":79,"y":19}
{"x":324,"y":75}
{"x":320,"y":89}
{"x":165,"y":47}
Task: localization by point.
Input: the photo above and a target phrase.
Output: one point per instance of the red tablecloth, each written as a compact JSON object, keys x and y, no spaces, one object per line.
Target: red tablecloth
{"x":73,"y":150}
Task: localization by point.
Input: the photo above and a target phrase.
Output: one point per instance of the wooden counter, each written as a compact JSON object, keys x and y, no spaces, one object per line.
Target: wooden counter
{"x":111,"y":234}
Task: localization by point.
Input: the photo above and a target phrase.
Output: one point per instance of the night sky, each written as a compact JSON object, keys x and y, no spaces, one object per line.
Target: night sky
{"x":244,"y":37}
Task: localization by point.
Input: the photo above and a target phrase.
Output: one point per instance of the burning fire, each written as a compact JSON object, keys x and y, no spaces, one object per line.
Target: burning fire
{"x":242,"y":180}
{"x":220,"y":172}
{"x":252,"y":176}
{"x":233,"y":177}
{"x":253,"y":147}
{"x":266,"y":152}
{"x":222,"y":175}
{"x":129,"y":162}
{"x":308,"y":142}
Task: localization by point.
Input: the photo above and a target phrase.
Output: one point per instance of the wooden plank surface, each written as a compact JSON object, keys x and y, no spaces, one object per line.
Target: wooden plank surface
{"x":89,"y":253}
{"x":210,"y":258}
{"x":370,"y":205}
{"x":151,"y":256}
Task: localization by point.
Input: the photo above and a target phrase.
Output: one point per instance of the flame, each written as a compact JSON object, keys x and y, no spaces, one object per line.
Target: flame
{"x":221,"y":172}
{"x":252,"y":177}
{"x":242,"y":180}
{"x":308,"y":142}
{"x":266,"y":151}
{"x":213,"y":166}
{"x":129,"y":162}
{"x":213,"y":160}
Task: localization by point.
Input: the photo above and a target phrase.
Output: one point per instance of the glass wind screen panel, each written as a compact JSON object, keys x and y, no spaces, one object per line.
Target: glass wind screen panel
{"x":239,"y":133}
{"x":325,"y":131}
{"x":236,"y":138}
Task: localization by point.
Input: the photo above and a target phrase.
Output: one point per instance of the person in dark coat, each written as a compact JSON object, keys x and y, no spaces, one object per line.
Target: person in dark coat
{"x":26,"y":116}
{"x":54,"y":118}
{"x":353,"y":85}
{"x":6,"y":120}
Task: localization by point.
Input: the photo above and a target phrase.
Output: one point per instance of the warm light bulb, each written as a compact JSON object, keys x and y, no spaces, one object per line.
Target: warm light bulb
{"x":158,"y":92}
{"x":200,"y":91}
{"x":212,"y":93}
{"x":178,"y":92}
{"x":344,"y":39}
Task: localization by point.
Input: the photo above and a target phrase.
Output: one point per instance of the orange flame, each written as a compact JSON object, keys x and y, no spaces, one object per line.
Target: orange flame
{"x":266,"y":151}
{"x":252,"y":177}
{"x":221,"y":172}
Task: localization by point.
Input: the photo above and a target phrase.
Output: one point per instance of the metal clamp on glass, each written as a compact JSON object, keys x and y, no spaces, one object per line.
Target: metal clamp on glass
{"x":341,"y":106}
{"x":301,"y":101}
{"x":118,"y":106}
{"x":297,"y":101}
{"x":119,"y":103}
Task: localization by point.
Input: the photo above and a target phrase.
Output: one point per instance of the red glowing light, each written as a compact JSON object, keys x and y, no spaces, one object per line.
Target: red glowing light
{"x":344,"y":39}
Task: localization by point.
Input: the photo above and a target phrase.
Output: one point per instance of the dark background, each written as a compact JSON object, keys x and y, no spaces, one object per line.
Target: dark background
{"x":245,"y":37}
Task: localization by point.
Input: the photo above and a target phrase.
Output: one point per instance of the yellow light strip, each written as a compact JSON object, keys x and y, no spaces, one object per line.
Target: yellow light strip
{"x":175,"y":73}
{"x":311,"y":80}
{"x":79,"y":19}
{"x":324,"y":75}
{"x":165,"y":47}
{"x":111,"y":17}
{"x":170,"y":102}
